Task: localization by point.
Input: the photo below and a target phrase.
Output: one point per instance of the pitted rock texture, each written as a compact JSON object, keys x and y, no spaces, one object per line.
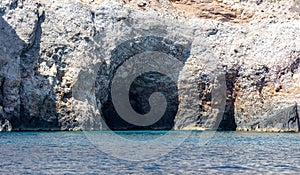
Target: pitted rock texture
{"x":241,"y":63}
{"x":277,"y":120}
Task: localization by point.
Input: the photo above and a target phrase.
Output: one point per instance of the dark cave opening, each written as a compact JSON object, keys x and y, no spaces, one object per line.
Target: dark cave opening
{"x":144,"y":85}
{"x":140,"y":91}
{"x":150,"y":82}
{"x":228,"y":121}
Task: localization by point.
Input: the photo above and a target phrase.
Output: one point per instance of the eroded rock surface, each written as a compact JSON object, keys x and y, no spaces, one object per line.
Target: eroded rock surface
{"x":241,"y":63}
{"x":276,"y":120}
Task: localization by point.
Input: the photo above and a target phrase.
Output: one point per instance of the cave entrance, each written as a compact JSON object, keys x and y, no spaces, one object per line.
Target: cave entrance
{"x":139,"y":94}
{"x":143,"y":86}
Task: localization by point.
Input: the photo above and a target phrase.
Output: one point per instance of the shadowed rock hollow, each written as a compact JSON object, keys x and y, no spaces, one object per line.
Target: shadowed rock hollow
{"x":144,"y":85}
{"x":139,"y":95}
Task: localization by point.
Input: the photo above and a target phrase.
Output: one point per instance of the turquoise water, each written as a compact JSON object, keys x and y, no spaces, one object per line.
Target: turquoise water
{"x":74,"y":153}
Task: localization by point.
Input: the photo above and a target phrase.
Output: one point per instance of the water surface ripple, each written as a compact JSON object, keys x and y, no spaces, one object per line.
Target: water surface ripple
{"x":225,"y":153}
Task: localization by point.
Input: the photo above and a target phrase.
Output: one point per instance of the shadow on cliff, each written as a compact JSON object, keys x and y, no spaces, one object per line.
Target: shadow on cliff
{"x":144,"y":85}
{"x":25,"y":107}
{"x":43,"y":115}
{"x":10,"y":46}
{"x":228,"y":121}
{"x":150,"y":82}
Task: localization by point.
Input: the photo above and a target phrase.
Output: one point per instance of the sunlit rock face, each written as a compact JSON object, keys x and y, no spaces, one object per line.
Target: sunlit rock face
{"x":236,"y":67}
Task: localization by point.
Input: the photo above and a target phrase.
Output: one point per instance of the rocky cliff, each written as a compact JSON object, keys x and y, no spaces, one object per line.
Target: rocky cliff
{"x":238,"y":64}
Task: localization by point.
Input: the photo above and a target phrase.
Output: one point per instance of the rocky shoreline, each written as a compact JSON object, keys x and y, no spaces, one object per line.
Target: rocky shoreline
{"x":241,"y":63}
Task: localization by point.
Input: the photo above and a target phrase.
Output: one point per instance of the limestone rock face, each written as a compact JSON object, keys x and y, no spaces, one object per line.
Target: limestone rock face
{"x":281,"y":120}
{"x":238,"y":64}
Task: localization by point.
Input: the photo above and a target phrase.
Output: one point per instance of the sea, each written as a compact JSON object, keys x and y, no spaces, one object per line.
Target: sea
{"x":149,"y":152}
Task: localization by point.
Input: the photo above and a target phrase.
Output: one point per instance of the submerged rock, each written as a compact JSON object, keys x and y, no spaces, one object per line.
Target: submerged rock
{"x":239,"y":63}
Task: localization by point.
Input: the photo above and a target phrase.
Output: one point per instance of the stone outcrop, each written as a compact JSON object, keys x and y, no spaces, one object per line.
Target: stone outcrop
{"x":280,"y":120}
{"x":241,"y":63}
